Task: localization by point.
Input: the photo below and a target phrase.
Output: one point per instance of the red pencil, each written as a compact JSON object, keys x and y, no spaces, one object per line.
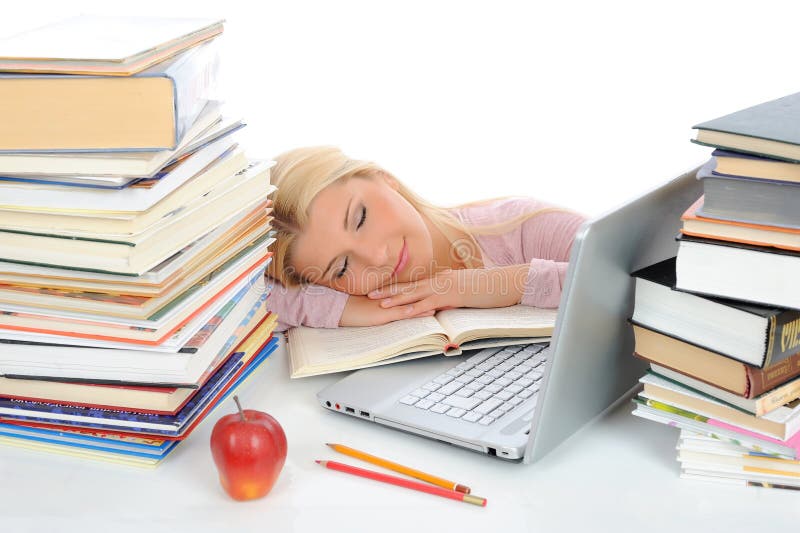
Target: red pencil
{"x":407,"y":483}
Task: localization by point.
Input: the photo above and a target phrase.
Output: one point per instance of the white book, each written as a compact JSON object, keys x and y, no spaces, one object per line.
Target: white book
{"x":101,"y":44}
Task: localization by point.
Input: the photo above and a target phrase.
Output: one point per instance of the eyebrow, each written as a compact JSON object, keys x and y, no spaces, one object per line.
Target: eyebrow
{"x":346,"y":218}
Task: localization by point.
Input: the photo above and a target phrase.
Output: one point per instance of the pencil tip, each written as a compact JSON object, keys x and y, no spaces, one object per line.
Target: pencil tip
{"x":318,"y":462}
{"x":330,"y":444}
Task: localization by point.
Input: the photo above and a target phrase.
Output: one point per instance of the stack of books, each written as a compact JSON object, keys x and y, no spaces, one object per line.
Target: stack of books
{"x":134,"y":234}
{"x":720,"y":323}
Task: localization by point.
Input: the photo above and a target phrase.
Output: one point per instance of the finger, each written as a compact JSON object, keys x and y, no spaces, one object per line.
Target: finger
{"x":430,"y":312}
{"x":391,"y":290}
{"x":420,"y":293}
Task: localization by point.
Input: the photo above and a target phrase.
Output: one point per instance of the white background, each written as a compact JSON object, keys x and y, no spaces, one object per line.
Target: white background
{"x":581,"y":103}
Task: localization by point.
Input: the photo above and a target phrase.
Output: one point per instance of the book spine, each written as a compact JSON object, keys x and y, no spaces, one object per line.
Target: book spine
{"x":194,"y":83}
{"x":762,"y":380}
{"x":783,"y":338}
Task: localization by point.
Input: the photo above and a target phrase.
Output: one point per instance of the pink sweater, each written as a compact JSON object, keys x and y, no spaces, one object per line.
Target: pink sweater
{"x":543,"y":241}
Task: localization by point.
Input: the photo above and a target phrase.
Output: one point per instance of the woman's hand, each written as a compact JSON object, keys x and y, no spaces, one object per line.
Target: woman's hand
{"x":362,"y":311}
{"x":483,"y":288}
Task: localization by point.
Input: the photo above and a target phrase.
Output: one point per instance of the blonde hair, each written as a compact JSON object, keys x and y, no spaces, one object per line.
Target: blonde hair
{"x":301,"y":173}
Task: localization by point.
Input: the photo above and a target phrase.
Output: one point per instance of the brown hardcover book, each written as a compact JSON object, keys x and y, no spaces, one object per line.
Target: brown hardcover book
{"x":710,"y":367}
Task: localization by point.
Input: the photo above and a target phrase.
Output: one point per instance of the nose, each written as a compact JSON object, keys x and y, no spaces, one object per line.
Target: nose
{"x":375,"y":254}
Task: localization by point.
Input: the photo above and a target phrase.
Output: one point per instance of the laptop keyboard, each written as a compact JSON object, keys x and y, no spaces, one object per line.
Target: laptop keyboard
{"x":486,"y":386}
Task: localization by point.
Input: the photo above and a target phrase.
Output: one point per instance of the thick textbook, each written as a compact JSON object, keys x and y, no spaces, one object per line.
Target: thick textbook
{"x":757,"y":274}
{"x":748,"y":200}
{"x":752,"y":166}
{"x":319,"y":351}
{"x":753,"y":334}
{"x":745,"y":233}
{"x":114,"y":164}
{"x":712,"y":368}
{"x":768,"y":129}
{"x":102,"y":44}
{"x":146,"y":112}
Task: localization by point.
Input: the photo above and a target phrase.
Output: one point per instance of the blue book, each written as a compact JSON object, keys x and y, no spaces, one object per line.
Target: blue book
{"x":149,"y":111}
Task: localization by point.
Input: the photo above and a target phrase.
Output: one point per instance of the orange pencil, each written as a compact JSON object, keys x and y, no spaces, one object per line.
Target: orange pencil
{"x":401,"y":482}
{"x":434,"y":480}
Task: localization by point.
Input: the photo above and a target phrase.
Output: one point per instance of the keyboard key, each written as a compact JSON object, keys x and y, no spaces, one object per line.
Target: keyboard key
{"x":431,"y":386}
{"x":514,"y":388}
{"x":440,"y":408}
{"x":474,"y":385}
{"x":444,"y":379}
{"x":525,"y":393}
{"x":472,"y":416}
{"x":505,"y":366}
{"x":503,"y":381}
{"x":493,"y":388}
{"x":463,"y":403}
{"x":466,"y":365}
{"x":455,"y":412}
{"x":474,"y":372}
{"x":504,"y":395}
{"x":533,"y":388}
{"x":516,"y":400}
{"x":465,"y":392}
{"x":482,"y":356}
{"x":538,"y":359}
{"x":409,"y":400}
{"x":486,"y":420}
{"x":485,"y":366}
{"x":506,"y":407}
{"x":513,"y":375}
{"x":534,"y":375}
{"x":424,"y":404}
{"x":450,"y":388}
{"x":524,"y":368}
{"x":495,"y":373}
{"x":435,"y":397}
{"x":525,"y":382}
{"x":485,"y":379}
{"x":488,"y":406}
{"x":483,"y":394}
{"x":455,"y":372}
{"x":465,"y":378}
{"x":420,"y":393}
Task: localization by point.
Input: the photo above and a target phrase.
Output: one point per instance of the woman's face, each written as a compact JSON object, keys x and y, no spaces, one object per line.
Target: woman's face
{"x":362,"y":234}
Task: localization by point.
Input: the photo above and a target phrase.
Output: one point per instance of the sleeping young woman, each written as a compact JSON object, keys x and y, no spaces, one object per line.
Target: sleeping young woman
{"x":356,"y":247}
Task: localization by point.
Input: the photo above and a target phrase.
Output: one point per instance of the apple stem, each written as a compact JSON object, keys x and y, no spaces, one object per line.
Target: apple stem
{"x":241,"y":411}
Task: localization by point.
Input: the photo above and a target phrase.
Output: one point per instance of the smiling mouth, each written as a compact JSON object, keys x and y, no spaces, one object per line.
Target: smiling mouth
{"x":402,"y":260}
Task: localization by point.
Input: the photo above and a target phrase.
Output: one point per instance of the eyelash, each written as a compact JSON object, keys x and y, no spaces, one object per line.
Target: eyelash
{"x":360,"y":223}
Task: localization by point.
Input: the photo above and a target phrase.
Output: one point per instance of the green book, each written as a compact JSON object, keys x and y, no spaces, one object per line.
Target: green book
{"x":768,"y":129}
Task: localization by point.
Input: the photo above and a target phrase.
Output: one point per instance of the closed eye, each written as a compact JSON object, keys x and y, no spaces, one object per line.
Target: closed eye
{"x":360,"y":223}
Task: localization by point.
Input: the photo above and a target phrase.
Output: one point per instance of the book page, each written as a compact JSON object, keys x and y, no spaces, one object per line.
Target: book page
{"x":319,"y":350}
{"x":467,"y":324}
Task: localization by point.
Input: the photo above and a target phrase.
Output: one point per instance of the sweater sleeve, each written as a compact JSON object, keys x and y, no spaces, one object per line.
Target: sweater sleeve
{"x":315,"y":306}
{"x":546,"y":242}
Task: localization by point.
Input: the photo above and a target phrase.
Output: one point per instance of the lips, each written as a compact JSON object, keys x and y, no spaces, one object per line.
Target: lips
{"x":402,"y":260}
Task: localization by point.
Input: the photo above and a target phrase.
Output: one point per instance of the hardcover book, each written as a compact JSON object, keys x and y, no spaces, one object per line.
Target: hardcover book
{"x":753,"y":334}
{"x":767,"y":129}
{"x":710,"y":367}
{"x":739,"y":164}
{"x":748,"y":200}
{"x":755,"y":274}
{"x":149,"y":111}
{"x":742,"y":232}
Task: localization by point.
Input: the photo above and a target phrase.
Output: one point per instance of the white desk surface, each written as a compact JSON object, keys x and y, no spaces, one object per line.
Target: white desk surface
{"x":618,"y":473}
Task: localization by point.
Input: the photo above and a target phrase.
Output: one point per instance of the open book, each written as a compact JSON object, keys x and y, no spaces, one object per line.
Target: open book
{"x":315,"y":351}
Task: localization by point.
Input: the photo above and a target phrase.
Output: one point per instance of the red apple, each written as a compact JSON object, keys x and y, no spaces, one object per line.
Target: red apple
{"x":249,"y":449}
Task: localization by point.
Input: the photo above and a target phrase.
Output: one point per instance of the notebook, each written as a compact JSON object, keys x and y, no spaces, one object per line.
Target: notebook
{"x":536,"y":395}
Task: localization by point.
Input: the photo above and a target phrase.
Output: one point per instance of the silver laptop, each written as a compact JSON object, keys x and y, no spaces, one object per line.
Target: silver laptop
{"x":519,"y":402}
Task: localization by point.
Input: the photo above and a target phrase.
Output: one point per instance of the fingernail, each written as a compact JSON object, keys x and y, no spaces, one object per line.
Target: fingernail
{"x":374,"y":294}
{"x":385,"y":302}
